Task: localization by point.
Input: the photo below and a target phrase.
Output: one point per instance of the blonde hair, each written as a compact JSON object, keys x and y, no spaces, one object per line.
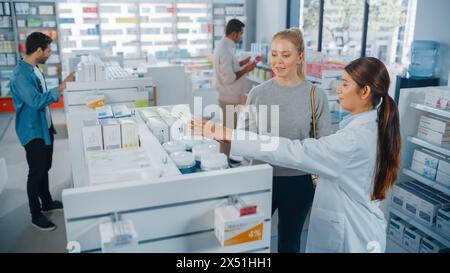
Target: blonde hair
{"x":295,"y":36}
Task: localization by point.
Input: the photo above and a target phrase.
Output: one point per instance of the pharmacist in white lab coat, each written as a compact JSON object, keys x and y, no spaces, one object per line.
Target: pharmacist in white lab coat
{"x":356,"y":166}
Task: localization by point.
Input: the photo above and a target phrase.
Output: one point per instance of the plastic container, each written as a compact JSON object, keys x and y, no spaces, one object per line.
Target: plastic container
{"x":174,"y":146}
{"x":213,"y":162}
{"x":191,"y":141}
{"x":185,"y":161}
{"x":424,"y":57}
{"x":203,"y":149}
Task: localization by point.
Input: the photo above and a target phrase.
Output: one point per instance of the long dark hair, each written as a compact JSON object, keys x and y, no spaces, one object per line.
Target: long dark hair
{"x":372,"y":72}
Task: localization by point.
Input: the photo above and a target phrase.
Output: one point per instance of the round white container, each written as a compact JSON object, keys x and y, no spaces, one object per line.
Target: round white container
{"x":213,"y":162}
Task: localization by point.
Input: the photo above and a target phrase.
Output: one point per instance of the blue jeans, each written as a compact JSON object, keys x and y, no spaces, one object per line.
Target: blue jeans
{"x":293,"y":197}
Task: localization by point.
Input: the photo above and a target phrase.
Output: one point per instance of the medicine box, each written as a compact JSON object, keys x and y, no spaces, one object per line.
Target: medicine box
{"x":159,"y":129}
{"x":430,"y":245}
{"x":412,"y":238}
{"x":92,"y":135}
{"x":399,"y":196}
{"x":432,"y":136}
{"x":429,"y":189}
{"x":434,"y":123}
{"x":104,"y":112}
{"x":426,"y":158}
{"x":443,"y":178}
{"x":412,"y":200}
{"x":121,"y":110}
{"x":444,"y":166}
{"x":118,"y":237}
{"x":396,"y":228}
{"x":129,"y":133}
{"x":111,"y":134}
{"x":231,"y":229}
{"x":443,"y":221}
{"x":423,"y":170}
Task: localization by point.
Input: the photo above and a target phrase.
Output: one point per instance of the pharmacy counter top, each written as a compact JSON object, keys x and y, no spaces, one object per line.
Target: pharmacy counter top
{"x":150,"y":145}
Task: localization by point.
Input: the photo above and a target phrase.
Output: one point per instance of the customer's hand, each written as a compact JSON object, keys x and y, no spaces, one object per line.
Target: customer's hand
{"x":69,"y":78}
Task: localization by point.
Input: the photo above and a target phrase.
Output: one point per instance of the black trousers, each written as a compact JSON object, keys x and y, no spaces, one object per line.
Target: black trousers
{"x":39,"y":158}
{"x":293,"y":197}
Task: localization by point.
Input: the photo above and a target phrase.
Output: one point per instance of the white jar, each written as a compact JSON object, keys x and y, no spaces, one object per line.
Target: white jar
{"x":191,"y":141}
{"x":185,"y":161}
{"x":205,"y":148}
{"x":174,"y":146}
{"x":213,"y":162}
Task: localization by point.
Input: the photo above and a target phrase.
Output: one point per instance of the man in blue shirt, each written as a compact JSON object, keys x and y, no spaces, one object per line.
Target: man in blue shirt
{"x":34,"y":125}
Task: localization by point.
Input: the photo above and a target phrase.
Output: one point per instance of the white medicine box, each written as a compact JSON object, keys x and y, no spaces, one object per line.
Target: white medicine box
{"x":232,"y":229}
{"x":159,"y":129}
{"x":129,"y":133}
{"x":434,"y":123}
{"x":92,"y":135}
{"x":427,"y":158}
{"x":443,"y":221}
{"x":412,"y":238}
{"x":433,"y":136}
{"x":111,"y":134}
{"x":396,"y":228}
{"x":430,"y":245}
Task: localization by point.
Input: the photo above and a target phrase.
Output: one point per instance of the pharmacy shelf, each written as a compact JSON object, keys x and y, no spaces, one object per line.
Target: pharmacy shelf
{"x":395,"y":247}
{"x":432,"y":110}
{"x":426,"y":181}
{"x":424,"y":228}
{"x":440,"y":149}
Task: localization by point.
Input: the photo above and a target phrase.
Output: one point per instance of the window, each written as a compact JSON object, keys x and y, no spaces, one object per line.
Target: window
{"x":390,"y":31}
{"x":390,"y":28}
{"x":309,"y":22}
{"x":343,"y":28}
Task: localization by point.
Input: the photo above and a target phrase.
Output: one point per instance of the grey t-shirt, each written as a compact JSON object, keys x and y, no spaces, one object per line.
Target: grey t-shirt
{"x":295,"y":114}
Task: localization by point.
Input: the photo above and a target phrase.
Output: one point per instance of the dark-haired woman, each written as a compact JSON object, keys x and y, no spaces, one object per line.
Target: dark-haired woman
{"x":356,"y":166}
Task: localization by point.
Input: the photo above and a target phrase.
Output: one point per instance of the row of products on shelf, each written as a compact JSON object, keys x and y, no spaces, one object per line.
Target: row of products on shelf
{"x":5,"y":89}
{"x":5,"y":21}
{"x":7,"y":59}
{"x":36,"y":22}
{"x":26,"y":9}
{"x":434,"y":129}
{"x":423,"y":203}
{"x":438,"y":97}
{"x":413,"y":239}
{"x":7,"y":47}
{"x":92,"y":68}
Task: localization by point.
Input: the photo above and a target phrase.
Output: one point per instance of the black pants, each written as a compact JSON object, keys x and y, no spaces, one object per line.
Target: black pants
{"x":39,"y":158}
{"x":292,"y":196}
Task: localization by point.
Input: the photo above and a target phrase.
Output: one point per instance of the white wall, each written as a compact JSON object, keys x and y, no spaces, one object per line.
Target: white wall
{"x":432,"y":23}
{"x":271,"y":17}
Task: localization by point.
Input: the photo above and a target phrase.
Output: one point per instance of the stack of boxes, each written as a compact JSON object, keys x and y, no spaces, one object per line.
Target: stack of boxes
{"x":432,"y":166}
{"x":435,"y":130}
{"x":111,"y":133}
{"x":166,"y":125}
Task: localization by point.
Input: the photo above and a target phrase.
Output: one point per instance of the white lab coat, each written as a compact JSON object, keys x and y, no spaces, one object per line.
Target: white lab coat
{"x":343,"y":217}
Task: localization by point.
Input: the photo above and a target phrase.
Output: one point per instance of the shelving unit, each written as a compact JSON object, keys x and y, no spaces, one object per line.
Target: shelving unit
{"x":411,"y":109}
{"x":8,"y":47}
{"x":222,"y":13}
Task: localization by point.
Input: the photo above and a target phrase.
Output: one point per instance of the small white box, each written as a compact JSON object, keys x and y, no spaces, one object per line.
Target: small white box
{"x":121,"y":111}
{"x":429,"y":205}
{"x":92,"y":135}
{"x":231,"y":229}
{"x":129,"y":133}
{"x":430,"y":245}
{"x":111,"y":134}
{"x":159,"y":129}
{"x":434,"y":123}
{"x":104,"y":112}
{"x":396,"y":228}
{"x":412,"y":238}
{"x":443,"y":221}
{"x":148,"y":113}
{"x":438,"y":97}
{"x":443,"y":178}
{"x":412,"y":201}
{"x":432,"y":136}
{"x":426,"y":158}
{"x":444,"y":166}
{"x":423,"y":170}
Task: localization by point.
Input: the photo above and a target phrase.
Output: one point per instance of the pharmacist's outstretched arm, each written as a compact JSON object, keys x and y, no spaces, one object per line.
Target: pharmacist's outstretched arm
{"x":326,"y":156}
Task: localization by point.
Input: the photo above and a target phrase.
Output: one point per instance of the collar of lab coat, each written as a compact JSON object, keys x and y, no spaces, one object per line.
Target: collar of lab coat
{"x":369,"y":116}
